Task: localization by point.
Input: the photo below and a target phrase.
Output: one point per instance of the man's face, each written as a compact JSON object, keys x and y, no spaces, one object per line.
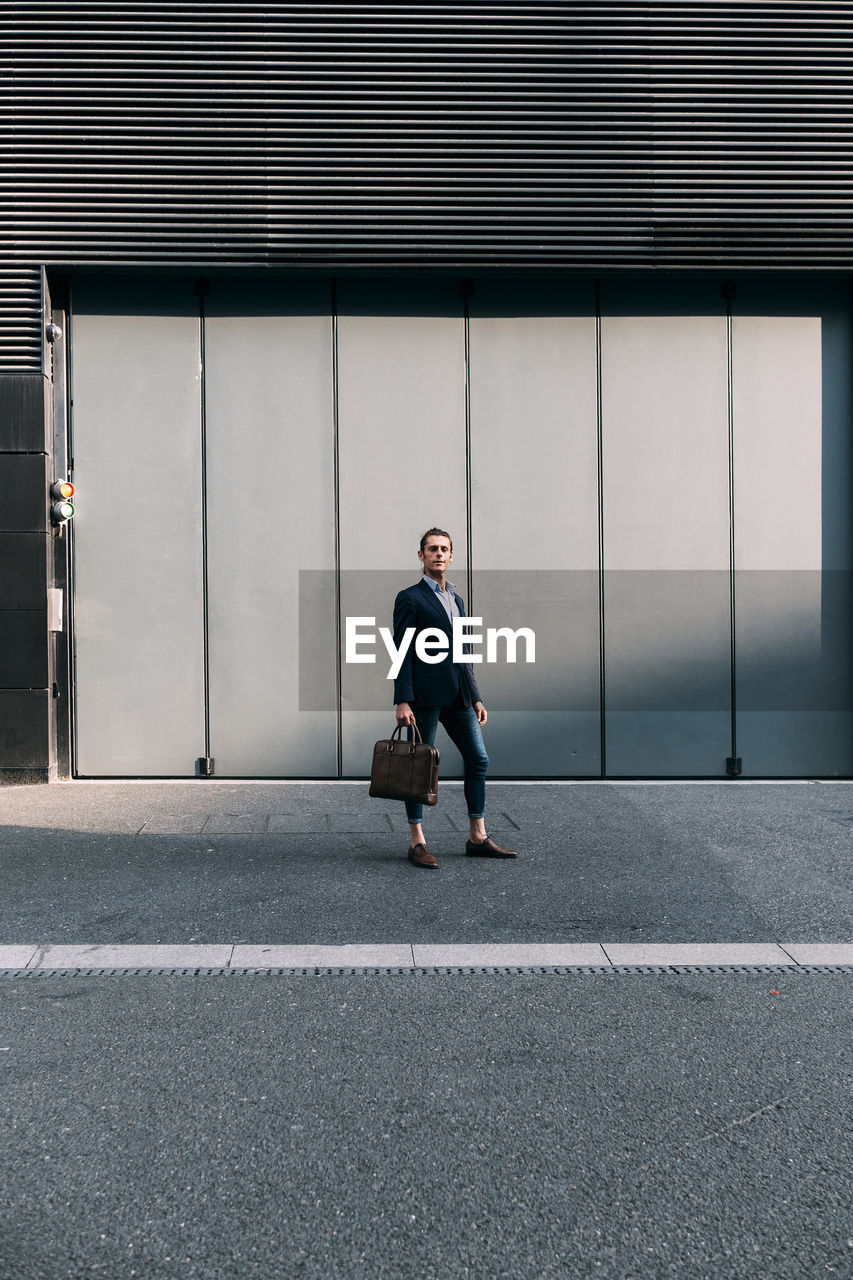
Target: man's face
{"x":436,"y":555}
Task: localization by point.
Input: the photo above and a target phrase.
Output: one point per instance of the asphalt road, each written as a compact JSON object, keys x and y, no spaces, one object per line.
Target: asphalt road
{"x":634,"y":1124}
{"x":622,"y":1125}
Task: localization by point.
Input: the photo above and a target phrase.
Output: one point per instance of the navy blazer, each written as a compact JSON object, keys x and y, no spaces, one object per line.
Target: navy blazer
{"x":430,"y":684}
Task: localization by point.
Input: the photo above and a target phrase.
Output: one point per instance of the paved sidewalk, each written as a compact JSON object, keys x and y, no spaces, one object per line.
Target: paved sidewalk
{"x":272,"y":865}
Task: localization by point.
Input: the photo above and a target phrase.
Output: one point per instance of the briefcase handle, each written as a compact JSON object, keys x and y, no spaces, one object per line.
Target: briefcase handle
{"x":412,"y":744}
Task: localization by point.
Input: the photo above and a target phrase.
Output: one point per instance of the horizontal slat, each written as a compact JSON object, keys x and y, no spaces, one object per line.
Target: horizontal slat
{"x":20,"y":319}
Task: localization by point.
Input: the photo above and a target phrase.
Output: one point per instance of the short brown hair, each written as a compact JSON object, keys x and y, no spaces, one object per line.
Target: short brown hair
{"x":442,"y":533}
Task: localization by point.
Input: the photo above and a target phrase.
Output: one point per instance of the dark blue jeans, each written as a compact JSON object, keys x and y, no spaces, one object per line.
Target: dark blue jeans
{"x":464,"y":730}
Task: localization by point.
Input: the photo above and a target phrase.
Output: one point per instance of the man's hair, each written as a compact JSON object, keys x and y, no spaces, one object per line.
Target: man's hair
{"x":431,"y":533}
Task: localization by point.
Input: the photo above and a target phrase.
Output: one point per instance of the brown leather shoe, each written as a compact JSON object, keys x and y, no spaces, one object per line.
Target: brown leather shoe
{"x":420,"y":855}
{"x":488,"y":848}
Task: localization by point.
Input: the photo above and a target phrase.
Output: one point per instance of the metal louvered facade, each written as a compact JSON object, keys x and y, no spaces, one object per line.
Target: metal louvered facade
{"x":579,"y":135}
{"x":21,"y":308}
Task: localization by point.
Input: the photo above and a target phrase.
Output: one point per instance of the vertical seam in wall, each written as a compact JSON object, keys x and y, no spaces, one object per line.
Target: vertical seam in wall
{"x":205,"y":604}
{"x":339,"y":745}
{"x":732,"y":593}
{"x":599,"y":428}
{"x":469,"y":549}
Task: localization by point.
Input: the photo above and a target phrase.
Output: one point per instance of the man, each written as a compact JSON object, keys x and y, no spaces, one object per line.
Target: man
{"x":446,"y":691}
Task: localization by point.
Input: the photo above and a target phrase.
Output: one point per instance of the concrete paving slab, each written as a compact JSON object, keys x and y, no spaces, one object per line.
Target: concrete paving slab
{"x":820,"y":952}
{"x":509,"y":953}
{"x":297,"y":824}
{"x":236,"y":824}
{"x":360,"y":823}
{"x":131,"y":957}
{"x":506,"y":821}
{"x":175,"y":824}
{"x":449,"y":827}
{"x":391,"y":956}
{"x":16,"y":957}
{"x":434,"y":819}
{"x":661,"y":953}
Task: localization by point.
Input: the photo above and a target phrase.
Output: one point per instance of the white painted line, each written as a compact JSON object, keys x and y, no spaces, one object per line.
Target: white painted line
{"x":422,"y":955}
{"x":820,"y":952}
{"x":132,"y":957}
{"x":16,"y":957}
{"x":211,"y":784}
{"x":665,"y":953}
{"x":727,"y":783}
{"x":390,"y":956}
{"x":509,"y":953}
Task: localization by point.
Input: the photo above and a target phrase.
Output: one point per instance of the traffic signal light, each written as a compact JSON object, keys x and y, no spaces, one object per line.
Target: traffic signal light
{"x":62,"y":508}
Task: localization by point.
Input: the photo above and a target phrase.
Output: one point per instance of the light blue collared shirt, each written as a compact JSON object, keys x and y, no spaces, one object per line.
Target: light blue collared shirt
{"x":447,"y":597}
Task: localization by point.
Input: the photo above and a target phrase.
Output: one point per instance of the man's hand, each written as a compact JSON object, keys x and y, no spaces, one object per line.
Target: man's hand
{"x":482,"y":714}
{"x":405,"y":715}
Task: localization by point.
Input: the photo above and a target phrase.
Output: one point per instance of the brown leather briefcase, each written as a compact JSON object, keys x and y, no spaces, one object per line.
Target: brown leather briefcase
{"x":405,"y":770}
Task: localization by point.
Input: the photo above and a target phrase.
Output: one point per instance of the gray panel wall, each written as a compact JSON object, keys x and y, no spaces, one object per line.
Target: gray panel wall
{"x":666,"y":533}
{"x":406,"y":425}
{"x":138,"y":615}
{"x":793,"y":504}
{"x":534,"y":520}
{"x":401,"y":406}
{"x":271,"y":515}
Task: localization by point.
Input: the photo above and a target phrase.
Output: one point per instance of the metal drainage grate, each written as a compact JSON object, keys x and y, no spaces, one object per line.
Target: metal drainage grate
{"x":610,"y":971}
